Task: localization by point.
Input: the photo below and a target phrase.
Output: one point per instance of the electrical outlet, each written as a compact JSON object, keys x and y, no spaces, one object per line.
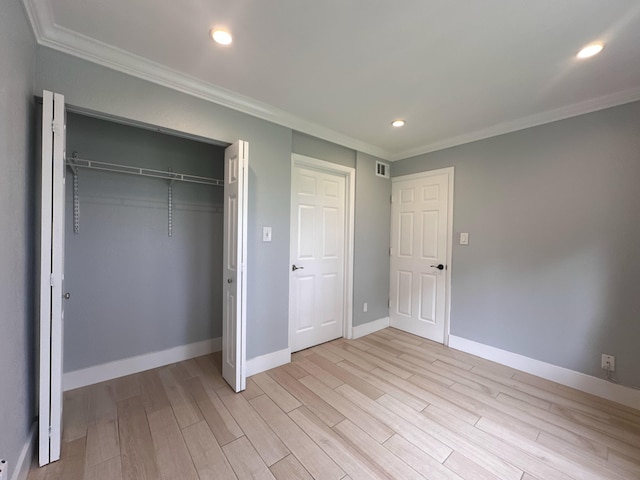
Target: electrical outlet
{"x":4,"y":470}
{"x":610,"y":360}
{"x":365,"y":307}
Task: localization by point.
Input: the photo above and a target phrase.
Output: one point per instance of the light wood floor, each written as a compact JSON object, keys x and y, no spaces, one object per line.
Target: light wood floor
{"x":389,"y":405}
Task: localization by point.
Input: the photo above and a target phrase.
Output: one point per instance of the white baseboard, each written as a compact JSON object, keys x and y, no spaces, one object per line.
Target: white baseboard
{"x":580,"y":381}
{"x":139,"y":363}
{"x":370,"y":327}
{"x":21,"y":470}
{"x":268,"y":361}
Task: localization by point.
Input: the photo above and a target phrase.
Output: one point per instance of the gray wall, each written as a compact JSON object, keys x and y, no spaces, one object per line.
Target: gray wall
{"x":17,"y":187}
{"x":372,"y":214}
{"x":373,"y":235}
{"x":100,"y":89}
{"x":103,"y":90}
{"x":135,"y":289}
{"x":551,"y":271}
{"x":313,"y":147}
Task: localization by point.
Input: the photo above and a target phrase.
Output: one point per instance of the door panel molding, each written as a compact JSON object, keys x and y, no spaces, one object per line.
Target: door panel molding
{"x":427,"y":195}
{"x":234,"y":283}
{"x":348,"y":173}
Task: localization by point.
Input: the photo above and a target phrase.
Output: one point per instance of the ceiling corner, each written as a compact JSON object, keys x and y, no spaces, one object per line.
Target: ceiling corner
{"x":50,"y":35}
{"x":40,"y":16}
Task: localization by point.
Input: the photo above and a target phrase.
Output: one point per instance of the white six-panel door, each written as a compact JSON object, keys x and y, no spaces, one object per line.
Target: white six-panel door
{"x":51,"y":299}
{"x":420,"y":239}
{"x":319,"y":233}
{"x":234,"y":304}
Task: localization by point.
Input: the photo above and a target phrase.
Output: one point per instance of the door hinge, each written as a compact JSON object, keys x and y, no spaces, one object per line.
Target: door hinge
{"x":390,"y":251}
{"x":52,"y":281}
{"x":391,"y":199}
{"x":49,"y":432}
{"x":388,"y":303}
{"x":57,"y":126}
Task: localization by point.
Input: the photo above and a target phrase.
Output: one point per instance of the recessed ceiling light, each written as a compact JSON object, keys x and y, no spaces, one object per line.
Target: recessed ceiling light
{"x":590,"y":50}
{"x":221,"y":37}
{"x":398,"y":123}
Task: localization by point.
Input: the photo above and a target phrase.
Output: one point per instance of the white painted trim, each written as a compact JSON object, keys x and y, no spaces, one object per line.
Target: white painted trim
{"x":370,"y":327}
{"x":139,"y":363}
{"x":450,"y":172}
{"x":50,"y":35}
{"x":349,"y":173}
{"x":562,"y":113}
{"x":268,"y":361}
{"x":23,"y":464}
{"x":570,"y":378}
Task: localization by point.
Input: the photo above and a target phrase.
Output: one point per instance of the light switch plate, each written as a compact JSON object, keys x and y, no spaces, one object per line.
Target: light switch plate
{"x":266,"y":234}
{"x":464,"y":239}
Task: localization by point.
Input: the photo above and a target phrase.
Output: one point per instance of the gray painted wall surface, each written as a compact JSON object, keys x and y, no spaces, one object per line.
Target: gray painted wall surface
{"x":304,"y":144}
{"x":551,"y":271}
{"x":372,"y":214}
{"x":134,"y":289}
{"x":103,"y":90}
{"x":17,"y":198}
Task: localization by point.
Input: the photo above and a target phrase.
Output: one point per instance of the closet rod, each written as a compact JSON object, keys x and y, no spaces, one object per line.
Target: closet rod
{"x":74,"y":162}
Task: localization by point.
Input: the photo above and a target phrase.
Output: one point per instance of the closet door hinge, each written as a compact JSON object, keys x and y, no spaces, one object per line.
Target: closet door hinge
{"x":57,"y":126}
{"x":52,"y":281}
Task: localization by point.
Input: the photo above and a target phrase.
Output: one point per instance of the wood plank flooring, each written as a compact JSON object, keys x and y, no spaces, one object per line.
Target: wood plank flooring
{"x":387,"y":406}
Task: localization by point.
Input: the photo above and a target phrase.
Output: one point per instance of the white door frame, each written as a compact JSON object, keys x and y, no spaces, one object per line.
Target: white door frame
{"x":449,"y":171}
{"x":349,"y":174}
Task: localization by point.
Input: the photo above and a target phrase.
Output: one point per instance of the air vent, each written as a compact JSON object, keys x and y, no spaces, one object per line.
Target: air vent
{"x":382,"y":170}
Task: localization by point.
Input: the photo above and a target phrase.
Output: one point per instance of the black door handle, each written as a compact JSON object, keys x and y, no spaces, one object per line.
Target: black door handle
{"x":294,"y":268}
{"x":439,"y":266}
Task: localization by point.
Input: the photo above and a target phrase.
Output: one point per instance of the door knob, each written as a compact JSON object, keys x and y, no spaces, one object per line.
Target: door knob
{"x":67,"y":296}
{"x":294,"y":268}
{"x":439,"y":266}
{"x":229,"y":280}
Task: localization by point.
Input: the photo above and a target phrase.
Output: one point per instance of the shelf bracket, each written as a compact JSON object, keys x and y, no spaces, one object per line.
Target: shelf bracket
{"x":76,"y":194}
{"x":170,"y":206}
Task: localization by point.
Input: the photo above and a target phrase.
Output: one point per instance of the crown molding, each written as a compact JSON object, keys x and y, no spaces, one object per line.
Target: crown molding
{"x":50,"y":35}
{"x":562,"y":113}
{"x":40,"y":16}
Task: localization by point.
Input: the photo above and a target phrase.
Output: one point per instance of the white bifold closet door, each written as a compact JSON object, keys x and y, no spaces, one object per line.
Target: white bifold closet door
{"x":51,"y":276}
{"x":234,"y":301}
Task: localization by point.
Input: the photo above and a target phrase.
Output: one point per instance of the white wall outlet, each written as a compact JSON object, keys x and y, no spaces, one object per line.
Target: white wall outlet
{"x":365,"y":307}
{"x":464,"y":239}
{"x":266,"y":234}
{"x":610,"y":360}
{"x":4,"y":470}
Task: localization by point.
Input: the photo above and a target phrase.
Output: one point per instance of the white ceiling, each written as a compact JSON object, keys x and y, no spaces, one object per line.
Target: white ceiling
{"x":456,"y":70}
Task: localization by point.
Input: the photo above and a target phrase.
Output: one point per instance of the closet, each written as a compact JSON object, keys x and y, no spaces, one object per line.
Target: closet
{"x":133,"y":278}
{"x":143,"y":242}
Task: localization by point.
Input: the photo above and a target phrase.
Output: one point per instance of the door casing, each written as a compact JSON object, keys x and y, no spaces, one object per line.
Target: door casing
{"x":349,"y":175}
{"x":449,"y":171}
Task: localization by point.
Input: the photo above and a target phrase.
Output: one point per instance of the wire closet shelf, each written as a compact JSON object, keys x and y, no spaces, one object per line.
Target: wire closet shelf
{"x":74,"y":162}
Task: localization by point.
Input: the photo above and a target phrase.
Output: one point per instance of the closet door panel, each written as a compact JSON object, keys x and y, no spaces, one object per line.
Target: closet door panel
{"x":235,"y":267}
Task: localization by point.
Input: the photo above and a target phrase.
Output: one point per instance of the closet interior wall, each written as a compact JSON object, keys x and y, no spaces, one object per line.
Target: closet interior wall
{"x":135,"y":289}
